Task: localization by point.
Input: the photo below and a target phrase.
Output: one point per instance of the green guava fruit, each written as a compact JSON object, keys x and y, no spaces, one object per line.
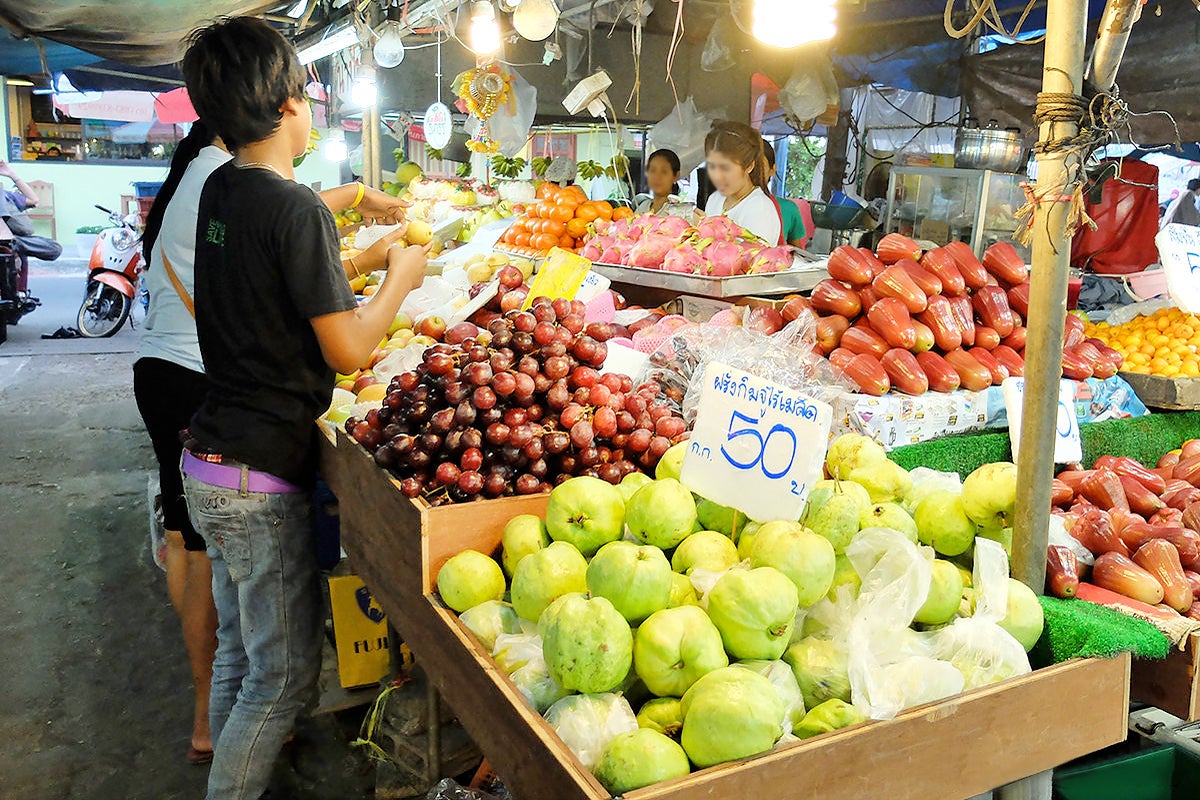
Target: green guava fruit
{"x":640,"y":758}
{"x":844,"y":574}
{"x":468,"y":579}
{"x":671,"y":464}
{"x":524,"y":534}
{"x":586,"y":512}
{"x":636,"y":580}
{"x":885,"y":481}
{"x":704,"y":550}
{"x":587,"y":644}
{"x":821,"y":668}
{"x":632,"y":482}
{"x":945,"y":594}
{"x":682,"y":592}
{"x":662,"y":513}
{"x":943,"y":524}
{"x":719,"y":518}
{"x":850,"y":451}
{"x":492,"y":618}
{"x":807,"y":559}
{"x":754,"y":610}
{"x":1024,"y":618}
{"x":829,"y":716}
{"x":730,"y":713}
{"x":889,"y":515}
{"x":835,"y":514}
{"x":546,"y":575}
{"x":662,"y":714}
{"x":674,"y":648}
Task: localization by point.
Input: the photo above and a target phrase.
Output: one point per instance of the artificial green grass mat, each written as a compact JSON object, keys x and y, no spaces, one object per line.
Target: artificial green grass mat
{"x":1079,"y":629}
{"x":1144,"y":438}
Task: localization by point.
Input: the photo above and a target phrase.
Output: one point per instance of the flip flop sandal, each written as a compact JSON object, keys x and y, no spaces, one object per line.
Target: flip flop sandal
{"x":198,"y":758}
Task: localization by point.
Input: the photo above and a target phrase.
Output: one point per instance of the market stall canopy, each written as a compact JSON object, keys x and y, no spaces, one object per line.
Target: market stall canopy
{"x":105,"y":76}
{"x":130,"y":31}
{"x":1158,"y":72}
{"x":22,"y":57}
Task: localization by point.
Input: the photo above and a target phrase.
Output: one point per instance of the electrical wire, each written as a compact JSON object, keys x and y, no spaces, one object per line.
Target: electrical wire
{"x":987,"y":14}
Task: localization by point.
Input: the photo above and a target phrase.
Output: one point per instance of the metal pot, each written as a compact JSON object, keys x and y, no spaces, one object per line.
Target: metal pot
{"x":992,"y":147}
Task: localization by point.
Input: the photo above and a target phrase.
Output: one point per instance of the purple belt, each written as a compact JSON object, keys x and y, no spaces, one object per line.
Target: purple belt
{"x":228,"y":477}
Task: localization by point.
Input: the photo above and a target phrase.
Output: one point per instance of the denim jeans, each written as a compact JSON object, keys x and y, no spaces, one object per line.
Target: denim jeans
{"x":267,"y":593}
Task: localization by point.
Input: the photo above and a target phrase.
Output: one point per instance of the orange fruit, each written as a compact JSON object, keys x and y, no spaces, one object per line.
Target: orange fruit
{"x":546,"y":190}
{"x":522,"y":239}
{"x":566,"y":242}
{"x":577,"y":228}
{"x":554,"y":228}
{"x":562,"y":213}
{"x":622,"y":212}
{"x":605,"y":208}
{"x":587,"y":212}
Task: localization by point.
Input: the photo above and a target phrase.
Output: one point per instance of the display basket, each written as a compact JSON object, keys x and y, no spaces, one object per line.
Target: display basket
{"x":997,"y":734}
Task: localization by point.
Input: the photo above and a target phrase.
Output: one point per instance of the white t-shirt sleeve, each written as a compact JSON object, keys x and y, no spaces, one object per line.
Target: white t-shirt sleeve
{"x":714,"y":204}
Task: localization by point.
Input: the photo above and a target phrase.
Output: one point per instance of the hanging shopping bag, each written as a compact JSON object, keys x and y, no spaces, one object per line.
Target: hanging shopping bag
{"x":359,"y":631}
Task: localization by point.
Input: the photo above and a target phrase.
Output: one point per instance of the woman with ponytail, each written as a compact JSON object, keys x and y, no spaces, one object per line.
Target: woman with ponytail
{"x":169,"y":384}
{"x":737,"y":167}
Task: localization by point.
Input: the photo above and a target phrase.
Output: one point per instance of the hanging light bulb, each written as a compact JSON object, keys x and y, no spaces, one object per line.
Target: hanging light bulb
{"x":335,"y":145}
{"x":791,"y":23}
{"x":536,"y":19}
{"x":389,"y":47}
{"x":485,"y":33}
{"x":508,"y":5}
{"x":364,"y":91}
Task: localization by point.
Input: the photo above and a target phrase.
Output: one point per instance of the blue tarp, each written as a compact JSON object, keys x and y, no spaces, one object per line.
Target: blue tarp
{"x":21,"y":57}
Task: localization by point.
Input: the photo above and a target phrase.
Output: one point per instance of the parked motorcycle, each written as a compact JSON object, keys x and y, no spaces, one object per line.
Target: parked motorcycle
{"x":113,"y":272}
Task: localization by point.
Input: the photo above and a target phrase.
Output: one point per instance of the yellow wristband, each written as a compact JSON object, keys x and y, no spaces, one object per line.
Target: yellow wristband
{"x":362,"y":190}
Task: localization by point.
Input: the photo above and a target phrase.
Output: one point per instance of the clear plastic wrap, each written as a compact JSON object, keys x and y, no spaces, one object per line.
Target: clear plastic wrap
{"x":490,"y":619}
{"x":515,"y":650}
{"x":977,"y":646}
{"x":683,"y":131}
{"x":787,"y":358}
{"x":717,"y":55}
{"x":588,"y":722}
{"x":449,"y":789}
{"x":925,"y":481}
{"x":890,"y":666}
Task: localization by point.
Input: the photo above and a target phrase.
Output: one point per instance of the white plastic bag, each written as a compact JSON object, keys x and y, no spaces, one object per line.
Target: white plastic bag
{"x":977,"y":646}
{"x":889,"y":665}
{"x":926,"y":481}
{"x":520,"y":656}
{"x":718,"y":53}
{"x":488,"y":621}
{"x":515,"y":650}
{"x":588,"y":722}
{"x":510,"y":125}
{"x":811,"y":89}
{"x":432,"y":294}
{"x":402,"y":360}
{"x":683,"y":130}
{"x":1058,"y":535}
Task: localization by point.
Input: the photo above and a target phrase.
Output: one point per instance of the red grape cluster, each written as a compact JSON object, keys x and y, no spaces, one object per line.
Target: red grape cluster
{"x":516,"y":410}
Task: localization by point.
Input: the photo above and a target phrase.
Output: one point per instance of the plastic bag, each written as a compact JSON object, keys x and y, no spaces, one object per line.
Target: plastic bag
{"x":510,"y":125}
{"x":539,"y":689}
{"x":449,"y":789}
{"x":925,"y":481}
{"x":370,"y":234}
{"x":820,"y":667}
{"x":787,"y":358}
{"x":889,"y":666}
{"x":515,"y":650}
{"x":432,"y":294}
{"x":491,"y":619}
{"x":784,"y":680}
{"x":1058,"y":535}
{"x":683,"y":131}
{"x":394,"y":363}
{"x":811,"y":89}
{"x":977,"y":646}
{"x":717,"y":55}
{"x":588,"y":722}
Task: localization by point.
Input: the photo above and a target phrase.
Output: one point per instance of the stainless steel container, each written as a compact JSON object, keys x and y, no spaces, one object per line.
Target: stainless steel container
{"x":990,"y":147}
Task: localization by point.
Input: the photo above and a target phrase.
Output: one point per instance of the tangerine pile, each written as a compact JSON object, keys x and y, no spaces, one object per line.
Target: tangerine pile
{"x":1165,"y":343}
{"x":560,"y":218}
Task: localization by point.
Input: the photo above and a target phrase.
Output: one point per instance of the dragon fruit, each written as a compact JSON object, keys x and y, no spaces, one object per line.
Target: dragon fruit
{"x":723,"y":258}
{"x":650,"y":251}
{"x":592,"y":250}
{"x":673,"y":226}
{"x":720,"y":229}
{"x":772,"y":259}
{"x":685,"y":258}
{"x":602,"y":226}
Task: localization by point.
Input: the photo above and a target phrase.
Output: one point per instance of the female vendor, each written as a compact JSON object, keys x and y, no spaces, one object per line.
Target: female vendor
{"x":662,"y":177}
{"x":737,"y":167}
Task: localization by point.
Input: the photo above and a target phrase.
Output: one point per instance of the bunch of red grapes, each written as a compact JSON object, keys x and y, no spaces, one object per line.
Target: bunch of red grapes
{"x":517,"y":409}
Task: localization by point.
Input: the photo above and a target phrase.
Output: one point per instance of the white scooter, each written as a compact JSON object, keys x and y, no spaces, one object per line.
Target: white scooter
{"x":113,"y":272}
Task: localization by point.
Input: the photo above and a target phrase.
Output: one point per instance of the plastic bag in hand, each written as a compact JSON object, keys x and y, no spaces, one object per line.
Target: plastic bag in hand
{"x":588,"y":722}
{"x":889,"y":665}
{"x":977,"y":646}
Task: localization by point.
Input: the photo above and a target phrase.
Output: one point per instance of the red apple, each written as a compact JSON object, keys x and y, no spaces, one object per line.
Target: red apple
{"x":432,"y":326}
{"x":764,"y":319}
{"x":366,"y":379}
{"x":483,"y":318}
{"x":456,"y":334}
{"x":510,"y":277}
{"x":513,"y":299}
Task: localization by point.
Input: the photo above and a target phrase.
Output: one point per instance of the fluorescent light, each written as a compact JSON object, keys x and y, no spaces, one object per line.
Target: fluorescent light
{"x":791,"y":23}
{"x":297,"y":11}
{"x":364,"y":92}
{"x":19,"y":82}
{"x":332,"y":43}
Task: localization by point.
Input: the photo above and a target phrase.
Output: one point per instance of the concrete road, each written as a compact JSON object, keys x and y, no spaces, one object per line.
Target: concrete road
{"x":96,"y":701}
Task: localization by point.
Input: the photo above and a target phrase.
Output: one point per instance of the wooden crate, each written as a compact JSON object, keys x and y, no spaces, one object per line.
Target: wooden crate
{"x":1172,"y":684}
{"x":962,"y":746}
{"x":1156,"y":391}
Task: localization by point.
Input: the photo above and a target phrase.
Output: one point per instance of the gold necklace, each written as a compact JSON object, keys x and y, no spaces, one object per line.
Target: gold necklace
{"x":259,"y":165}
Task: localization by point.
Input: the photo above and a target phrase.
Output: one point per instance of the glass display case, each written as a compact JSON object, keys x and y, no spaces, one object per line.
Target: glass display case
{"x":946,"y":205}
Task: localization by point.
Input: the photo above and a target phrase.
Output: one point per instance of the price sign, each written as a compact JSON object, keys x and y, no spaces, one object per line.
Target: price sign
{"x":1068,"y":446}
{"x":561,"y":275}
{"x":1179,"y":250}
{"x":757,"y":446}
{"x":438,"y":125}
